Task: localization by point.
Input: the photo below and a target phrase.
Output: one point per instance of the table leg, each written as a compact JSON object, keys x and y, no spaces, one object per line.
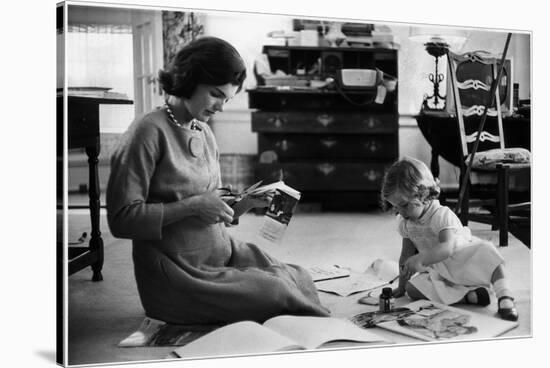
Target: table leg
{"x":96,"y":242}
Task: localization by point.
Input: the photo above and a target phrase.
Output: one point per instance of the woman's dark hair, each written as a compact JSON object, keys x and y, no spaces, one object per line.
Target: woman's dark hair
{"x":205,"y":60}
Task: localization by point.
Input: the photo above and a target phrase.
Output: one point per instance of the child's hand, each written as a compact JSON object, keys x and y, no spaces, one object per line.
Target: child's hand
{"x":412,"y":265}
{"x":398,"y":292}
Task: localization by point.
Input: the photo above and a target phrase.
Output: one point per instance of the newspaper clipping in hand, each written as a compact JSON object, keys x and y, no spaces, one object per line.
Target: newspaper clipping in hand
{"x":279,"y":212}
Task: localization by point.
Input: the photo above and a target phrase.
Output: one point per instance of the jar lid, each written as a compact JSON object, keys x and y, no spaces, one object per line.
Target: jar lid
{"x":387,"y":291}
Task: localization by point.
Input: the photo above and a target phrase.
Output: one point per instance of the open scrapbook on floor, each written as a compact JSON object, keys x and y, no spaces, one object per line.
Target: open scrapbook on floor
{"x":431,"y":321}
{"x":280,"y":333}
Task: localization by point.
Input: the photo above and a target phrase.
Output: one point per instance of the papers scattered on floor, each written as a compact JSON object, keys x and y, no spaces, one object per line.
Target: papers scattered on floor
{"x":379,"y":274}
{"x":321,"y":273}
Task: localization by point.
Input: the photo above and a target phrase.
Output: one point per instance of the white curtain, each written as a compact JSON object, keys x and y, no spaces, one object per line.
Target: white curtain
{"x":101,"y":56}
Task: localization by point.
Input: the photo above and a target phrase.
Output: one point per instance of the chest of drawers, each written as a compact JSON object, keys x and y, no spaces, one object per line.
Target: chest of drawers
{"x":333,"y":145}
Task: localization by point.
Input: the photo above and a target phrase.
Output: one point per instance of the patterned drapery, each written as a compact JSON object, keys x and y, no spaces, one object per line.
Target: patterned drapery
{"x":178,"y":28}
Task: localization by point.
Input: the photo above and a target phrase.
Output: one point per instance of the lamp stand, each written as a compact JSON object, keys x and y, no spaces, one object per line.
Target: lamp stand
{"x":436,"y":49}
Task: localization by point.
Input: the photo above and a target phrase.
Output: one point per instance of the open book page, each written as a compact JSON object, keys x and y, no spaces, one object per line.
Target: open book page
{"x":279,"y":212}
{"x":239,"y":338}
{"x":313,"y":332}
{"x":431,"y":321}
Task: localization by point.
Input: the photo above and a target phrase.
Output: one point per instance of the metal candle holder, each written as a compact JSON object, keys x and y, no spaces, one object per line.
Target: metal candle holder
{"x":436,"y":49}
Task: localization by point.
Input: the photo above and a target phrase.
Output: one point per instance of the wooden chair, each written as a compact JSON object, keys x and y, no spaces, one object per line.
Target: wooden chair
{"x":475,"y":77}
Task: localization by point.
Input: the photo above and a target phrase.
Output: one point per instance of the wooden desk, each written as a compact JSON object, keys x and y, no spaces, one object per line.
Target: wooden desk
{"x":83,"y":132}
{"x":441,"y":131}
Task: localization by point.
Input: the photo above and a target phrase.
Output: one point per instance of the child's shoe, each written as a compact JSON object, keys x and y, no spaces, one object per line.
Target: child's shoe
{"x":482,"y":296}
{"x":510,"y":314}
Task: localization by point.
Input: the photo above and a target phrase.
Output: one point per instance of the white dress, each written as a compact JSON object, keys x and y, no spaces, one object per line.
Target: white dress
{"x":471,"y":266}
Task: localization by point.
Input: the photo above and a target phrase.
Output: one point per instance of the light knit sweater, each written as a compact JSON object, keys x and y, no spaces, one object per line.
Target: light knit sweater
{"x":190,"y":272}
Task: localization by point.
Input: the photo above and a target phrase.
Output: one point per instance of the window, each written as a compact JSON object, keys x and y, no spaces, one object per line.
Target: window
{"x":100,"y":55}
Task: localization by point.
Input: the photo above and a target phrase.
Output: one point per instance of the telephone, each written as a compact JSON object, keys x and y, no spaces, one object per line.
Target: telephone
{"x":359,"y":78}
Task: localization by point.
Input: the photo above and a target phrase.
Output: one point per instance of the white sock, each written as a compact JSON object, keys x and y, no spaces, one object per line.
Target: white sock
{"x":501,"y":288}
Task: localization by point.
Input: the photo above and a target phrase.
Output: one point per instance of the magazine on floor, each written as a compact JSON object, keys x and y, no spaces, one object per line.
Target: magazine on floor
{"x":431,"y":321}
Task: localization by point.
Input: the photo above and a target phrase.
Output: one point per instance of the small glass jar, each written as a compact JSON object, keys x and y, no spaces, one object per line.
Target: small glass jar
{"x":386,"y":300}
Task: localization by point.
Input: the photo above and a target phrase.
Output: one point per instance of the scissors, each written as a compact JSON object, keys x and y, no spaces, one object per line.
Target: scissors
{"x":227,"y":192}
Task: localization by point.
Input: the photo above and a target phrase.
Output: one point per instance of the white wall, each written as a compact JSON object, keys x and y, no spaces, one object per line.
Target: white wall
{"x":248,"y":33}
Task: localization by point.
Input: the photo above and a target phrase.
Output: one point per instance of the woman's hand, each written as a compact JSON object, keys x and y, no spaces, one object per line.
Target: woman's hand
{"x":213,"y":209}
{"x":250,"y":202}
{"x":261,"y":201}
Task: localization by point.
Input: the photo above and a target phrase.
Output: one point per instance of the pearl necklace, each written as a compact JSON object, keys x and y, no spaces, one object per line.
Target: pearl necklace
{"x":194,"y":125}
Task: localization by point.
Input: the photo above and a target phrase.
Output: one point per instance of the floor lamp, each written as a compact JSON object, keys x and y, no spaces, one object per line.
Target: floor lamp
{"x":437,"y":42}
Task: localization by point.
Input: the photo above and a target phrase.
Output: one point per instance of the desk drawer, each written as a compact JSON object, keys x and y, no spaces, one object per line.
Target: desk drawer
{"x":326,"y":176}
{"x":315,"y":100}
{"x":323,"y":122}
{"x":328,"y":146}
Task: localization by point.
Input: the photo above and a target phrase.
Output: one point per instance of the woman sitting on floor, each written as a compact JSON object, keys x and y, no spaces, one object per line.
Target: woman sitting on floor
{"x":162,"y":195}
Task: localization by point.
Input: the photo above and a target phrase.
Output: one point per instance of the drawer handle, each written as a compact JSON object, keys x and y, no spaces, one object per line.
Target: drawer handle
{"x":325,"y":119}
{"x":277,"y":121}
{"x":372,"y":175}
{"x":328,"y":143}
{"x":325,"y":169}
{"x":268,"y":157}
{"x":372,"y":122}
{"x":372,"y":146}
{"x":283,"y":145}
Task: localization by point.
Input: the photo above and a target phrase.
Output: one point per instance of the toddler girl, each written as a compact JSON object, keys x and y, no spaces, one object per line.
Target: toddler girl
{"x":452,"y":265}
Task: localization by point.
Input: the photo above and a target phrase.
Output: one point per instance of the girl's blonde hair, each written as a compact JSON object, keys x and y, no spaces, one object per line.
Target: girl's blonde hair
{"x":410,"y":177}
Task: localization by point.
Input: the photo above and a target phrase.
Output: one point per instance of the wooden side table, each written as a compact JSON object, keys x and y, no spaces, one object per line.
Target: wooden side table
{"x":83,"y":132}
